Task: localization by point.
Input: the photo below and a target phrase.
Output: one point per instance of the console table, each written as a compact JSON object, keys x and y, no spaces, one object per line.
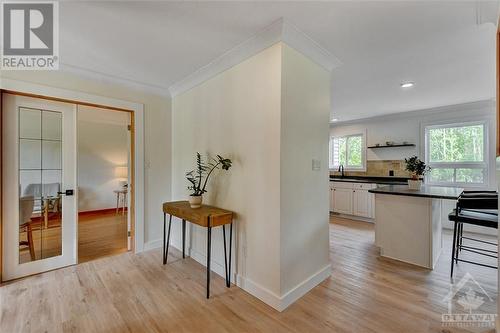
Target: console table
{"x":205,"y":216}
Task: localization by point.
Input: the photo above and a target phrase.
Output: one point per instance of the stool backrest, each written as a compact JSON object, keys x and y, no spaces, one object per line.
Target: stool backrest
{"x":478,"y":200}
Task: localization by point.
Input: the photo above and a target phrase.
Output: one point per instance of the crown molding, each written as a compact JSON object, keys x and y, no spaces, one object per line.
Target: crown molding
{"x":301,"y":42}
{"x":262,"y":40}
{"x":279,"y":31}
{"x":108,"y":78}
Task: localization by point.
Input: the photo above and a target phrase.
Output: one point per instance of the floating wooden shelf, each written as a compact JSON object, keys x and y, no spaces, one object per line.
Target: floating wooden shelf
{"x":393,"y":146}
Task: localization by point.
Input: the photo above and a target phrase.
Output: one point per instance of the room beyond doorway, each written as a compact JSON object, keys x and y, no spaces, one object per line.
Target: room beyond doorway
{"x":103,"y":182}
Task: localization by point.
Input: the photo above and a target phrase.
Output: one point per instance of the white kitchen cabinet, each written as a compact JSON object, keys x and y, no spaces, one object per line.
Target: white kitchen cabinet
{"x":352,"y":199}
{"x":342,"y":200}
{"x":362,"y":205}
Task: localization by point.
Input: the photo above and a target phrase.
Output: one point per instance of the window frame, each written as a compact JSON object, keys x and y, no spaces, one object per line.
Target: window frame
{"x":334,"y":167}
{"x":484,"y":165}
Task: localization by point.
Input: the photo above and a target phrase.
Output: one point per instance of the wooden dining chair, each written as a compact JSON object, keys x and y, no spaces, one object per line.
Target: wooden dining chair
{"x":26,"y":205}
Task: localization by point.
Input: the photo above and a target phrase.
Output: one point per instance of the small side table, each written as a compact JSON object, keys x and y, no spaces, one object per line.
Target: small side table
{"x":205,"y":216}
{"x":121,"y":200}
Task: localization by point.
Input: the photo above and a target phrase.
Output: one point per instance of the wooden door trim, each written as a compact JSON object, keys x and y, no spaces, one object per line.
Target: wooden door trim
{"x":63,"y":100}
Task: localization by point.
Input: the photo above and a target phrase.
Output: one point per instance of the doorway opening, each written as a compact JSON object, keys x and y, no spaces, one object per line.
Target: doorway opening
{"x":103,"y":182}
{"x":40,"y":207}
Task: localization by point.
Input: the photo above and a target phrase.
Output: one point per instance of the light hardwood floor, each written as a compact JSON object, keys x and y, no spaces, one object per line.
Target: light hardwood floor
{"x":100,"y":235}
{"x":135,"y":293}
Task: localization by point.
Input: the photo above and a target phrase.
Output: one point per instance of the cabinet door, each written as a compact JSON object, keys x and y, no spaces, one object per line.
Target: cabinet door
{"x":342,"y":200}
{"x":362,"y":203}
{"x":331,"y":199}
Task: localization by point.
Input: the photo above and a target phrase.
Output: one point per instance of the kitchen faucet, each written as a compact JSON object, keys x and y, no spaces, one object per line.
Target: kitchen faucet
{"x":341,"y":170}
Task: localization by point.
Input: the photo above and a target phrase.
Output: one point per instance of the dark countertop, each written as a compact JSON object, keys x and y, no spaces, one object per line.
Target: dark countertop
{"x":371,"y":179}
{"x":427,"y":191}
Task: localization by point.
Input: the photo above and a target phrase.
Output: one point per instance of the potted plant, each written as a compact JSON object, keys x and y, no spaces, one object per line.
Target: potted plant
{"x":199,"y":177}
{"x":418,"y":169}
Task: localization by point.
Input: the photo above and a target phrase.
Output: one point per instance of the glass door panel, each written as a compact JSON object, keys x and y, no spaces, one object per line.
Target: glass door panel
{"x":39,"y":145}
{"x":40,"y":170}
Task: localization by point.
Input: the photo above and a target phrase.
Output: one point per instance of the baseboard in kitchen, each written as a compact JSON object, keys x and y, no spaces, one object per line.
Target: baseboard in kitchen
{"x":353,"y":217}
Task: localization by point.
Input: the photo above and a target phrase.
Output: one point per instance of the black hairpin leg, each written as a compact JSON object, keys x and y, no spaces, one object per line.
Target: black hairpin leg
{"x":165,"y":246}
{"x":459,"y":241}
{"x":225,"y":251}
{"x":164,"y":226}
{"x":183,"y":238}
{"x":453,"y":248}
{"x":209,"y":240}
{"x":227,"y":264}
{"x":461,"y":236}
{"x":230,"y":251}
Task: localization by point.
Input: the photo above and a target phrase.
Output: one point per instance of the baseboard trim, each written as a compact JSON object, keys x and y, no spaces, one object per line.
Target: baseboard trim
{"x":152,"y":245}
{"x":280,"y":303}
{"x":100,"y":211}
{"x":158,"y":243}
{"x":260,"y":292}
{"x":305,"y":286}
{"x":353,"y":217}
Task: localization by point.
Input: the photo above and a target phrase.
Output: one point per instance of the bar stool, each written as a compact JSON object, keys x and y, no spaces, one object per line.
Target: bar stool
{"x":478,"y":208}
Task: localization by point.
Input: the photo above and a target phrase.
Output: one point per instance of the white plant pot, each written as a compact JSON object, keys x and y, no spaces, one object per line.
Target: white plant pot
{"x":414,"y":184}
{"x":195,"y":201}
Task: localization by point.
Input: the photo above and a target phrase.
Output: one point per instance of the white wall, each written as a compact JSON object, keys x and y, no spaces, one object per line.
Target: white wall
{"x":305,"y":111}
{"x":102,"y":147}
{"x":236,"y":114}
{"x":157,"y":135}
{"x":270,"y":115}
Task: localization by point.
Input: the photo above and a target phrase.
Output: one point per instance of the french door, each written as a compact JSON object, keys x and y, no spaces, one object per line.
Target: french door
{"x":39,"y":179}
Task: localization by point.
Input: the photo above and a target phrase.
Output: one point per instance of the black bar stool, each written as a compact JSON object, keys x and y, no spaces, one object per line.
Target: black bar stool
{"x":476,"y":208}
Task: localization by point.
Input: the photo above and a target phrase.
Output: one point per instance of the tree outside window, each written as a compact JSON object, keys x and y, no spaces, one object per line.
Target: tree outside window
{"x":457,"y":153}
{"x":347,"y":151}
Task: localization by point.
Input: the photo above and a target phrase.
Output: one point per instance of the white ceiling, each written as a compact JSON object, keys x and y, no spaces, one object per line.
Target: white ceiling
{"x":438,"y":45}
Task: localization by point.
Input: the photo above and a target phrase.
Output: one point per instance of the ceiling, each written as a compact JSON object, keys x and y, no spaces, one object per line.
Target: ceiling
{"x":446,"y":48}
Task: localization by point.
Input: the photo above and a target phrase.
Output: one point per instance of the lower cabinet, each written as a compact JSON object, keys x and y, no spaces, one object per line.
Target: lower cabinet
{"x":342,"y":200}
{"x":362,"y":203}
{"x":352,"y":199}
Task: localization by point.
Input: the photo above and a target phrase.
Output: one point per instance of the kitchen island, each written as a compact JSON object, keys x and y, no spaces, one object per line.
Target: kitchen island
{"x":408,"y":223}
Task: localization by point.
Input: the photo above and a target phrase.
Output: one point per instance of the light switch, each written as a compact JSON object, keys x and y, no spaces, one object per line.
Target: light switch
{"x":316,"y":165}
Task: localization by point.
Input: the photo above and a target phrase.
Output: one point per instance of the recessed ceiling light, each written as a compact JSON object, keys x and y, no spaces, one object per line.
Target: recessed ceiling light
{"x":335,"y":119}
{"x":407,"y":84}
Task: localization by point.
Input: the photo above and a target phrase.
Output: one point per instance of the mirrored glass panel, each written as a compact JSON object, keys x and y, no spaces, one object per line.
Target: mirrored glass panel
{"x":30,"y":121}
{"x":40,"y":179}
{"x":51,"y":125}
{"x":30,"y":153}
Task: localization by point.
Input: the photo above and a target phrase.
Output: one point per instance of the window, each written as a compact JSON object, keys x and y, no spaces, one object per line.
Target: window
{"x":457,"y":154}
{"x":348,"y":151}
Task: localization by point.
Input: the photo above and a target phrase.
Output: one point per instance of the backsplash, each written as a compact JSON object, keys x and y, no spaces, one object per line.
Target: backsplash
{"x":380,"y":169}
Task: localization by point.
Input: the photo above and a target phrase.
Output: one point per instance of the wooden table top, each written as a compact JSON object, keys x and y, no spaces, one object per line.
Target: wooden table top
{"x":200,"y":216}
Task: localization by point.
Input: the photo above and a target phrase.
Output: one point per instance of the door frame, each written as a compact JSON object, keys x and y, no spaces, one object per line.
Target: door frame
{"x":137,"y":144}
